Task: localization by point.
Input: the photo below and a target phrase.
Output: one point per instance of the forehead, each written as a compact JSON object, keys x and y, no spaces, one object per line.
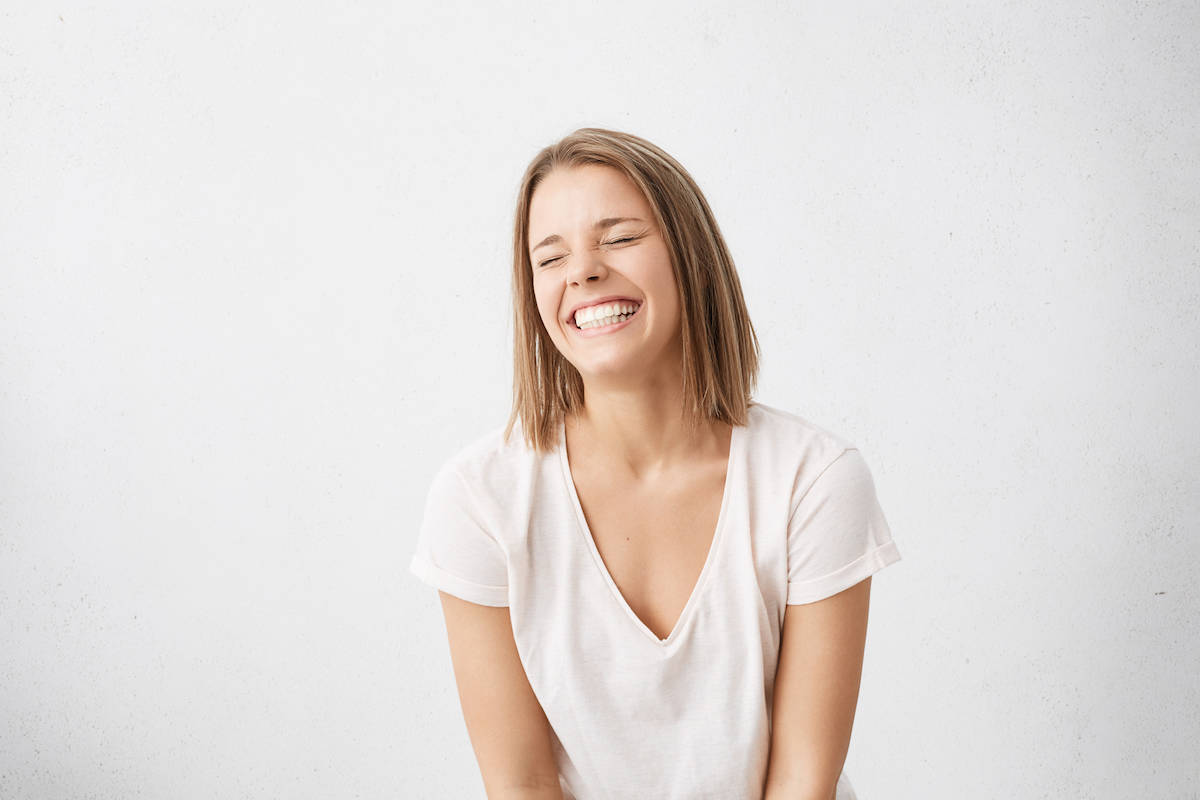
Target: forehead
{"x":572,"y":198}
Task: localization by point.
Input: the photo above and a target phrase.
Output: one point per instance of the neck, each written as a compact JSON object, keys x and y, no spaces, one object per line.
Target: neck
{"x":639,"y":432}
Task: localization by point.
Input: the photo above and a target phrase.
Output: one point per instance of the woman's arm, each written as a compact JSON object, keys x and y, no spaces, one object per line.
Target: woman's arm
{"x":816,"y":693}
{"x":506,"y":724}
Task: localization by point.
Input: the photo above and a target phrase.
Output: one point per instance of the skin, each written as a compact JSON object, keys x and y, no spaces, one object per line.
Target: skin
{"x":636,"y":445}
{"x":816,"y":694}
{"x":630,"y":425}
{"x":632,"y":433}
{"x":507,"y":727}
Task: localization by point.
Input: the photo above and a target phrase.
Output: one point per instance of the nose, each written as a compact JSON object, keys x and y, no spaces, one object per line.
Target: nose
{"x":589,"y":265}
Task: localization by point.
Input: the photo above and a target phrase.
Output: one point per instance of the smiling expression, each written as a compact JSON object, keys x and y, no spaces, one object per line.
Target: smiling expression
{"x":594,"y":245}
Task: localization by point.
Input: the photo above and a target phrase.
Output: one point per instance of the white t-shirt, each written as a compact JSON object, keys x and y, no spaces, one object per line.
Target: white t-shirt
{"x":635,"y":716}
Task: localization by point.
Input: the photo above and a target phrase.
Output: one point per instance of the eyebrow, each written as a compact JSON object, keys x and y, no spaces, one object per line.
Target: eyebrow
{"x":607,"y":222}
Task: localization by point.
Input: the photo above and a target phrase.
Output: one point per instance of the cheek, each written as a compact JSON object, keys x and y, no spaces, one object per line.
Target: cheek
{"x":657,"y":271}
{"x":663,"y":282}
{"x":547,"y":307}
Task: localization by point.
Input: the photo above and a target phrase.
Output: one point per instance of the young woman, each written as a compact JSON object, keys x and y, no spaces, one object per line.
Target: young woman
{"x":659,"y":588}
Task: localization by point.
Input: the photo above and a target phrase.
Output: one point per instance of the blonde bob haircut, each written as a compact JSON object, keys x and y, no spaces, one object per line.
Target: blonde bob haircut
{"x":720,"y":349}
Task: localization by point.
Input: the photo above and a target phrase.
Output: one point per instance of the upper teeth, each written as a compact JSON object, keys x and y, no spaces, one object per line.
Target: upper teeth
{"x":592,"y":313}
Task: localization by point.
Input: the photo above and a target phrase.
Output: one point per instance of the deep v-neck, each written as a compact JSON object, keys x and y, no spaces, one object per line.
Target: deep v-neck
{"x":731,"y":476}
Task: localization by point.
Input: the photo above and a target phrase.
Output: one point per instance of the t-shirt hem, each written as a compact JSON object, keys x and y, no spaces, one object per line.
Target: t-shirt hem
{"x":860,"y":569}
{"x":496,"y":596}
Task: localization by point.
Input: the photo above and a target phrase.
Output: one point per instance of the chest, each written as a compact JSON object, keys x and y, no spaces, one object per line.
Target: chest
{"x":654,"y":537}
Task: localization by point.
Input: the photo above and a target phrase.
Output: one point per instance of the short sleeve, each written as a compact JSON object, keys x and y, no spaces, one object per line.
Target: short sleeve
{"x":455,"y":552}
{"x":837,"y":534}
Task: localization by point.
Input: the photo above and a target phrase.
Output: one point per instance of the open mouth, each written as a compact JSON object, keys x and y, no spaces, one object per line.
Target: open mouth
{"x":607,"y":322}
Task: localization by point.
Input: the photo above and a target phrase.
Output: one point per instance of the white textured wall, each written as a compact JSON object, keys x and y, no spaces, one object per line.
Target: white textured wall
{"x":253,"y":287}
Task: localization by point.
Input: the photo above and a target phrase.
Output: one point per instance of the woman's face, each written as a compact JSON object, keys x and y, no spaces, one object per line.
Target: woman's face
{"x":580,"y":256}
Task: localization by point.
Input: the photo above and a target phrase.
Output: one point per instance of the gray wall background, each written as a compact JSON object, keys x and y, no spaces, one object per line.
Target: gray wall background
{"x":254,"y":289}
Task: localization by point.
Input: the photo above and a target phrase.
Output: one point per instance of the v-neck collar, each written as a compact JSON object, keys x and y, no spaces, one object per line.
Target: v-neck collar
{"x":732,"y":475}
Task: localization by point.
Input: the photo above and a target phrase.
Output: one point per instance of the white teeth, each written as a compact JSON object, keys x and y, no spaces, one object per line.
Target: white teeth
{"x":605,"y":321}
{"x":600,"y":312}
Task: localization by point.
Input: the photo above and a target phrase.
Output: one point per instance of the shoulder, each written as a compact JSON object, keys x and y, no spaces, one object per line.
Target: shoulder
{"x":800,"y":451}
{"x":776,"y":428}
{"x":488,"y":463}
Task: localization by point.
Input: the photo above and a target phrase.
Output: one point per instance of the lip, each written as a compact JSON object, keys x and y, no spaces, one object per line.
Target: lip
{"x":598,"y":301}
{"x":607,"y":329}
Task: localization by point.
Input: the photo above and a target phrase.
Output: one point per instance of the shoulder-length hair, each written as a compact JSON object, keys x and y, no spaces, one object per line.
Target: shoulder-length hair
{"x":720,"y":349}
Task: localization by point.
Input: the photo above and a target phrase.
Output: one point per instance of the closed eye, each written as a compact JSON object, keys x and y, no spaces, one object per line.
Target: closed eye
{"x":614,"y":241}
